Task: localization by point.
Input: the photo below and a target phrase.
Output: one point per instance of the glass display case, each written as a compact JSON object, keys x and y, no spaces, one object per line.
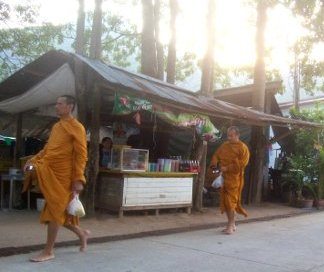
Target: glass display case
{"x":129,"y":159}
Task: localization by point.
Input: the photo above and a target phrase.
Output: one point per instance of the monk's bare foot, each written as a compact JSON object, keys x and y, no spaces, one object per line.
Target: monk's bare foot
{"x":229,"y":231}
{"x":226,"y":229}
{"x":84,"y":240}
{"x":42,"y":257}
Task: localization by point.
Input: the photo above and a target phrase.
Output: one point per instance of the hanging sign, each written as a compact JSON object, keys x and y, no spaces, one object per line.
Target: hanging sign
{"x":125,"y":104}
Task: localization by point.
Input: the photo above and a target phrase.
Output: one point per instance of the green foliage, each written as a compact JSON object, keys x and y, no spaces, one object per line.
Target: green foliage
{"x":4,"y":11}
{"x":321,"y":174}
{"x":120,"y":40}
{"x":224,"y":77}
{"x":306,"y":162}
{"x":19,"y":46}
{"x":185,"y":66}
{"x":311,"y":14}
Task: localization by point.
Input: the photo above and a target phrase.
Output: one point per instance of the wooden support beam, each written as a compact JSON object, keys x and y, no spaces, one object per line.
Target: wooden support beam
{"x":93,"y":163}
{"x":199,"y":154}
{"x":34,"y":73}
{"x":18,"y":145}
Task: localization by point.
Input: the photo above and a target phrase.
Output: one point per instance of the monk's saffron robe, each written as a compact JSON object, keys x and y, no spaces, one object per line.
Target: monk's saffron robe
{"x":61,"y":162}
{"x":235,"y":157}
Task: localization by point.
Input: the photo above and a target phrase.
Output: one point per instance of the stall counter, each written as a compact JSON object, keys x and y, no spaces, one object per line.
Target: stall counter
{"x":122,"y":191}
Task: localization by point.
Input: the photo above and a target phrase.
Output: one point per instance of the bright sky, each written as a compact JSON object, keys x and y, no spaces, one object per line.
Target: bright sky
{"x":235,"y":28}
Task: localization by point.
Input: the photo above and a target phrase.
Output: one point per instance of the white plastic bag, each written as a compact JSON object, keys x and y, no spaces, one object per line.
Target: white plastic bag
{"x":75,"y":207}
{"x":218,"y":182}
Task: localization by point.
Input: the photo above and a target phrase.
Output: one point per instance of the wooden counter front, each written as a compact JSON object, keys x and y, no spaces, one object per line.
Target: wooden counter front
{"x":120,"y":191}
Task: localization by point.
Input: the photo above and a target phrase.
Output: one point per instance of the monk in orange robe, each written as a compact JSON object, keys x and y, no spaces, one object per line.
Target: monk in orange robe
{"x":60,"y":173}
{"x":233,"y":156}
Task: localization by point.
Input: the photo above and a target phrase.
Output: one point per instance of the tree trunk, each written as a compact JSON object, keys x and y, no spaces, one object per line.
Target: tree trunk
{"x":172,"y":55}
{"x":258,"y":102}
{"x":296,"y":94}
{"x":95,"y":43}
{"x":93,"y":163}
{"x":207,"y":83}
{"x":199,"y":154}
{"x":78,"y":66}
{"x":18,"y":145}
{"x":159,"y":46}
{"x":148,"y":57}
{"x":79,"y":41}
{"x":80,"y":91}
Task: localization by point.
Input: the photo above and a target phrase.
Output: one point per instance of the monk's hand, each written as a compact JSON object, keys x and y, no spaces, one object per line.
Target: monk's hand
{"x":28,"y":166}
{"x":77,"y":186}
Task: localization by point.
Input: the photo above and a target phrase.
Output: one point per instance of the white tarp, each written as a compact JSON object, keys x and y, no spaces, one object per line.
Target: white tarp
{"x":44,"y":93}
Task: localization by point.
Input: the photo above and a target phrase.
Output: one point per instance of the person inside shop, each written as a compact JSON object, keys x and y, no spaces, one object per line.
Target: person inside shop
{"x":232,"y":157}
{"x":105,"y":152}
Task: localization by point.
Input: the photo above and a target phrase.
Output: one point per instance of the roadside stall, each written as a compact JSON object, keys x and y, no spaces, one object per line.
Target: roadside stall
{"x":142,"y":179}
{"x":149,"y":173}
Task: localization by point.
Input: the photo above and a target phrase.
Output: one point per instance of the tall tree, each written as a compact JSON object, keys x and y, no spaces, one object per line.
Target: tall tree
{"x":159,"y":45}
{"x":296,"y":78}
{"x":307,"y":70}
{"x":148,"y":55}
{"x":258,"y":103}
{"x":95,"y":43}
{"x":79,"y":41}
{"x":208,"y":61}
{"x":172,"y":55}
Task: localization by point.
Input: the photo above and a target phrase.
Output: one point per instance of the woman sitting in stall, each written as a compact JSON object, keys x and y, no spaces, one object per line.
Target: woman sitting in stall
{"x":105,"y":152}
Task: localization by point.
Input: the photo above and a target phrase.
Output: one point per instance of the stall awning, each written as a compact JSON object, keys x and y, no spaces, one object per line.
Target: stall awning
{"x":116,"y":79}
{"x":44,"y":93}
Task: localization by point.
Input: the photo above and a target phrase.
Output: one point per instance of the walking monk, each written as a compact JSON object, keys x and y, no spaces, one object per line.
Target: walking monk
{"x":233,"y":156}
{"x":60,"y":173}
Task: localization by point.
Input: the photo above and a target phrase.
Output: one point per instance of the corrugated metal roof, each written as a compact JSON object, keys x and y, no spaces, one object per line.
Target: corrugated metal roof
{"x":165,"y":93}
{"x":157,"y":91}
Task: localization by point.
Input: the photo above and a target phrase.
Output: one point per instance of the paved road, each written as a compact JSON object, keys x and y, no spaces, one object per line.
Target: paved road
{"x":293,"y":244}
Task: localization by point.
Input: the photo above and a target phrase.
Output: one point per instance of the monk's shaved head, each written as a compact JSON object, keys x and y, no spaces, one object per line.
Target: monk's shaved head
{"x":70,"y":100}
{"x":235,"y":129}
{"x":233,"y":134}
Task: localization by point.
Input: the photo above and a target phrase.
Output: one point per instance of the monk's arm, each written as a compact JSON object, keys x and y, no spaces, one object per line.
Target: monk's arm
{"x":214,"y":159}
{"x":245,"y":157}
{"x":79,"y":155}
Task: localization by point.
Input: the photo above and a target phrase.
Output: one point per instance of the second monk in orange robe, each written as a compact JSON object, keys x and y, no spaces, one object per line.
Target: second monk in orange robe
{"x":233,"y":156}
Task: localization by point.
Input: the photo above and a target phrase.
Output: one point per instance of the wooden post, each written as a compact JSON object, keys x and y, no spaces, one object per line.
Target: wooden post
{"x":200,"y":154}
{"x":18,"y":145}
{"x":93,"y":163}
{"x":257,"y":159}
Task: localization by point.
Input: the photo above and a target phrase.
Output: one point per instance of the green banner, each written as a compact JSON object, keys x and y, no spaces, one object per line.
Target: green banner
{"x":125,"y":104}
